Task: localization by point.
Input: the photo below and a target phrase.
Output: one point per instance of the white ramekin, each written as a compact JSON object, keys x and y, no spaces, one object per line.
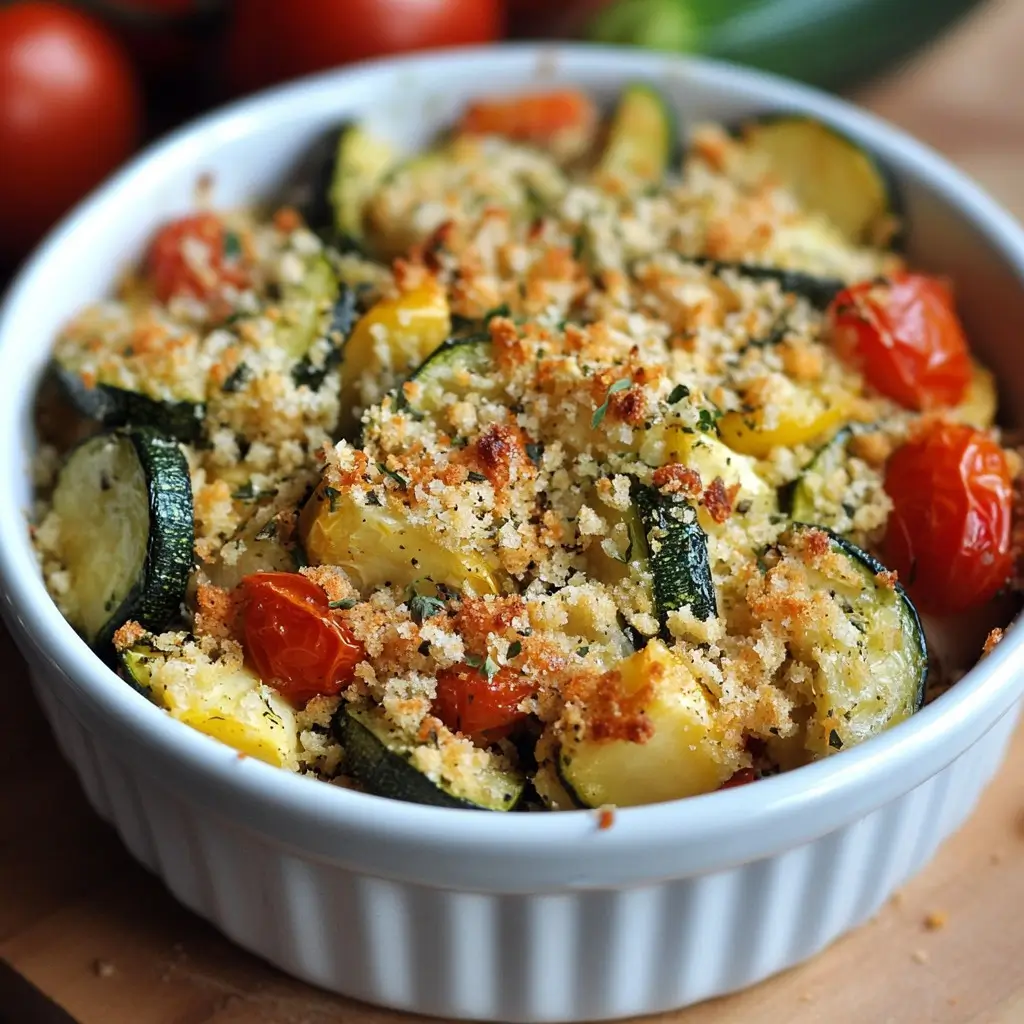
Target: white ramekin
{"x":535,"y":917}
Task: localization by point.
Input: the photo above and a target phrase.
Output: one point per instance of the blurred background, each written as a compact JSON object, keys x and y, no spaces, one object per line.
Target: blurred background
{"x":84,"y":83}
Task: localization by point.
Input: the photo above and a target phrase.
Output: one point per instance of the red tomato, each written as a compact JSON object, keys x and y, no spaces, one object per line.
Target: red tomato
{"x":905,"y":336}
{"x":470,"y":703}
{"x":532,"y":117}
{"x":175,"y":271}
{"x":948,"y":536}
{"x":293,"y":639}
{"x":272,"y":40}
{"x":69,"y":114}
{"x":742,"y":777}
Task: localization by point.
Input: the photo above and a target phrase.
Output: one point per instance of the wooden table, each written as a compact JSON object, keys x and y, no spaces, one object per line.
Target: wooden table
{"x":99,"y":935}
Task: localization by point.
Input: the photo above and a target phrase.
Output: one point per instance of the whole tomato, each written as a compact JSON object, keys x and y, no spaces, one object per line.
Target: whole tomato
{"x":69,"y":114}
{"x":948,"y":536}
{"x":905,"y":336}
{"x":294,"y":640}
{"x":273,"y":40}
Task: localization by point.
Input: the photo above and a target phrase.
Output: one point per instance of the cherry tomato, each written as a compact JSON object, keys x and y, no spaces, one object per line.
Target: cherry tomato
{"x":948,"y":536}
{"x":195,"y":256}
{"x":471,"y":703}
{"x":272,"y":40}
{"x":69,"y":114}
{"x":905,"y":336}
{"x":293,"y":639}
{"x":531,"y":117}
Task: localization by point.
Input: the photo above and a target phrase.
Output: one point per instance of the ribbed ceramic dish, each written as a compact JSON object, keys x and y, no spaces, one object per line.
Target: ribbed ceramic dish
{"x":521,"y":917}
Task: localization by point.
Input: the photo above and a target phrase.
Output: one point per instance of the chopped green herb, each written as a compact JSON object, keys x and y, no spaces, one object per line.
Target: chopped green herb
{"x":332,"y":494}
{"x":424,"y":648}
{"x":232,"y":245}
{"x":487,"y":665}
{"x":344,"y":604}
{"x":678,"y":393}
{"x":397,"y":477}
{"x":372,"y":499}
{"x":423,"y":606}
{"x":268,"y":532}
{"x":534,"y":452}
{"x":245,"y":493}
{"x":514,"y":649}
{"x":477,"y":478}
{"x":614,"y":388}
{"x":582,"y":651}
{"x":835,"y":741}
{"x":707,"y":421}
{"x":237,"y":378}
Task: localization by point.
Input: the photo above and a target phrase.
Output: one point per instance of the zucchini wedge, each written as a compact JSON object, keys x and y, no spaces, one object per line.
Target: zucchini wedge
{"x":223,"y":699}
{"x":811,"y":502}
{"x":124,"y":502}
{"x":685,"y":753}
{"x":826,"y":172}
{"x":676,"y":549}
{"x":869,"y":656}
{"x":305,"y":306}
{"x":458,"y":368}
{"x":309,"y":372}
{"x":115,"y":406}
{"x":379,"y":545}
{"x":641,"y":137}
{"x":380,"y":756}
{"x":355,"y":163}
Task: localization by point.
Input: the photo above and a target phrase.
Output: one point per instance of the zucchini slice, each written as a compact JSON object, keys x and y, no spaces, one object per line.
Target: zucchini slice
{"x":686,"y":753}
{"x":124,"y":502}
{"x":641,"y":138}
{"x":676,"y":549}
{"x":354,"y":164}
{"x":115,"y":406}
{"x":811,"y":495}
{"x":869,"y":658}
{"x":818,"y":291}
{"x":223,"y":699}
{"x":305,"y":305}
{"x":311,"y":373}
{"x":458,"y":368}
{"x":826,"y":172}
{"x":380,"y":756}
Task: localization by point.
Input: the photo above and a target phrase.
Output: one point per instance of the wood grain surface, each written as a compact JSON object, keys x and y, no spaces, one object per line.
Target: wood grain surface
{"x":101,"y":937}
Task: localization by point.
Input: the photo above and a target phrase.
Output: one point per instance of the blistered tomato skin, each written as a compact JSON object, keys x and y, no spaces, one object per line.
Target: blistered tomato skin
{"x":904,"y":335}
{"x":470,"y":702}
{"x":295,"y":641}
{"x":948,"y":536}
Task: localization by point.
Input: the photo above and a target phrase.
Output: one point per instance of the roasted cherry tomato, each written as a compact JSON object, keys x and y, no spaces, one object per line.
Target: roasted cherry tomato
{"x":740,"y":778}
{"x":271,"y":40}
{"x":904,"y":335}
{"x":69,"y":114}
{"x":471,"y":703}
{"x":196,"y":256}
{"x":294,"y":640}
{"x":532,"y":117}
{"x":948,"y":536}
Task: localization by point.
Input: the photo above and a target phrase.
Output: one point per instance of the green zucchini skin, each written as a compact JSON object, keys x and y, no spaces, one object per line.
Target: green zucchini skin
{"x":119,"y":407}
{"x":677,"y":555}
{"x":161,"y":565}
{"x":643,"y":138}
{"x":378,"y":755}
{"x":344,"y":314}
{"x":818,"y":291}
{"x":801,"y":506}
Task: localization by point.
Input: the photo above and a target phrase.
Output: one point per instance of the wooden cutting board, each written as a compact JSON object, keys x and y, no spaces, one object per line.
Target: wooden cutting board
{"x":102,"y":938}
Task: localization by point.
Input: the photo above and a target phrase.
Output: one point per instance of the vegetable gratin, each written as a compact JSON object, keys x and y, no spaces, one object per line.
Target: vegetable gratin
{"x":565,"y":463}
